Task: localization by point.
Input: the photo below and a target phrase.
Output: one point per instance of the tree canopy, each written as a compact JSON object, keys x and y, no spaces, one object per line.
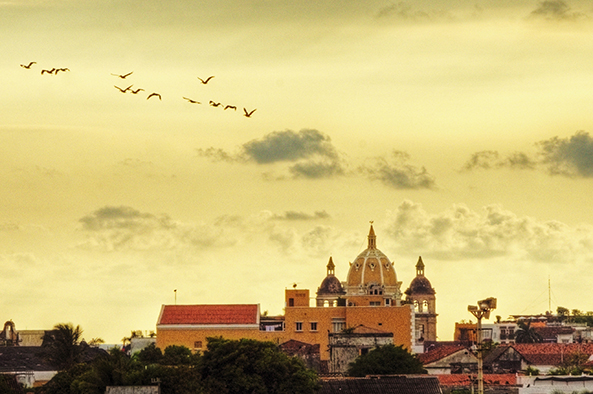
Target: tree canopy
{"x":527,"y":334}
{"x":386,"y":360}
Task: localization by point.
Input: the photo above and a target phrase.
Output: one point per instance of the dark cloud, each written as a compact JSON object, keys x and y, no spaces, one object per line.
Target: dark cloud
{"x":489,"y":159}
{"x":555,"y":10}
{"x":290,"y":146}
{"x":313,"y":151}
{"x":403,"y":11}
{"x":398,"y":174}
{"x":293,"y":215}
{"x":120,"y":218}
{"x":571,"y":156}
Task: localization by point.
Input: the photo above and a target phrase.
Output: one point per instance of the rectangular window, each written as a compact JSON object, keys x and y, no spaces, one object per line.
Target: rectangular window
{"x":291,"y":302}
{"x":375,"y":303}
{"x":299,"y":326}
{"x":197,"y":344}
{"x":338,"y":325}
{"x":313,"y":326}
{"x":387,"y":302}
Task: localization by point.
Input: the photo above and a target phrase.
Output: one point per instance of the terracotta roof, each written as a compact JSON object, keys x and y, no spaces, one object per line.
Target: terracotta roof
{"x":209,"y":314}
{"x":382,"y":384}
{"x":489,"y":379}
{"x":439,"y":353}
{"x":550,"y":353}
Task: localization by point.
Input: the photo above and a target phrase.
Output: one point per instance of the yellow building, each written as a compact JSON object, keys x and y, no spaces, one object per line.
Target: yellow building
{"x":370,"y":297}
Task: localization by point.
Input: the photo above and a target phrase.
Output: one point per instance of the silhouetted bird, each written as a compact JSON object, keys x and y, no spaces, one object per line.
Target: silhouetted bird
{"x":230,"y":107}
{"x":248,"y":114}
{"x":136,"y":91}
{"x":123,"y":90}
{"x":207,"y":79}
{"x":155,"y":95}
{"x":61,"y":69}
{"x":212,"y":103}
{"x":28,"y":65}
{"x":48,"y":71}
{"x":192,"y":101}
{"x":122,"y":76}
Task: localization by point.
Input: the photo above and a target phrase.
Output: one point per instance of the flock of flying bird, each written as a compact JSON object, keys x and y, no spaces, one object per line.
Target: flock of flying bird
{"x":54,"y":71}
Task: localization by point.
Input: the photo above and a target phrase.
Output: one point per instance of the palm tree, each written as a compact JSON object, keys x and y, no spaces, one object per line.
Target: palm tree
{"x":527,"y":334}
{"x":62,"y":345}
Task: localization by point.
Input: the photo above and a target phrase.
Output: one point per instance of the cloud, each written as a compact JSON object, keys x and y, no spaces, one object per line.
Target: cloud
{"x":459,"y":233}
{"x":555,"y":10}
{"x":293,"y":215}
{"x":571,"y":156}
{"x":397,"y":173}
{"x":313,"y":152}
{"x":125,"y":228}
{"x":489,"y":159}
{"x":290,"y":146}
{"x":403,"y":11}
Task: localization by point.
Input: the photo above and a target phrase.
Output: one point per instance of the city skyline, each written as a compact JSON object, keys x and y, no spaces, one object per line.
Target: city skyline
{"x":226,"y":150}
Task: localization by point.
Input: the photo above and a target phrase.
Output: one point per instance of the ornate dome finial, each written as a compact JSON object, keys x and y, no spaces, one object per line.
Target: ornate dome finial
{"x":372,"y":238}
{"x":420,"y":267}
{"x":330,"y":266}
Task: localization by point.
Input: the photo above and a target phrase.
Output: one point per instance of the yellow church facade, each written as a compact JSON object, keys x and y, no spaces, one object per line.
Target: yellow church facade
{"x":370,"y":297}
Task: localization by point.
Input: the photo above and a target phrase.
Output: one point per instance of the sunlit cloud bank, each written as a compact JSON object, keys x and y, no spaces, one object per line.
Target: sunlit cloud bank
{"x":315,"y":157}
{"x":460,"y":233}
{"x":570,"y":157}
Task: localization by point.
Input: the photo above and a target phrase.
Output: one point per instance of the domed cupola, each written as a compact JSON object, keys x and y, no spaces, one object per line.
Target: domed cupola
{"x":420,"y":284}
{"x":372,"y":274}
{"x":331,"y":289}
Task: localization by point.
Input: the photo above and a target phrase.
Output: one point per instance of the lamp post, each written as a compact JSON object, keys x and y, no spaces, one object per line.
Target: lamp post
{"x":482,"y":310}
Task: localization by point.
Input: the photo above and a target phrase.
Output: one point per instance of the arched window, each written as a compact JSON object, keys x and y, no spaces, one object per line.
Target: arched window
{"x":416,"y":305}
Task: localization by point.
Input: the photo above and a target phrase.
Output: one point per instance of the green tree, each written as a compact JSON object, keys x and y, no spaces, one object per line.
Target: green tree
{"x":527,"y":334}
{"x":179,"y":355}
{"x":61,"y":346}
{"x":386,"y":360}
{"x":150,"y":355}
{"x":250,"y":366}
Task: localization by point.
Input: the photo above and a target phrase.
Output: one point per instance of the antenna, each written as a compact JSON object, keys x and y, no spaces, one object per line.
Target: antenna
{"x":549,"y":295}
{"x":175,"y":291}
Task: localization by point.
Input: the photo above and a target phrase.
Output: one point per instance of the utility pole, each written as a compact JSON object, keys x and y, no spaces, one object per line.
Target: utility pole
{"x":481,"y":311}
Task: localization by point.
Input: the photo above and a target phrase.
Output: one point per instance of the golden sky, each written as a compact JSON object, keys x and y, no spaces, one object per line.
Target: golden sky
{"x":463,"y":130}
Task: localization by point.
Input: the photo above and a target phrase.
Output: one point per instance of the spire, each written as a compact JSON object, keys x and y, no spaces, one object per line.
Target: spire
{"x":372,"y":238}
{"x":420,"y":267}
{"x":330,"y":266}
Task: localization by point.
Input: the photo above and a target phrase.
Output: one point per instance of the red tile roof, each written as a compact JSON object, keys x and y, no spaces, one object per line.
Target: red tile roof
{"x":489,"y":379}
{"x":209,"y":314}
{"x":439,"y":353}
{"x":551,"y":353}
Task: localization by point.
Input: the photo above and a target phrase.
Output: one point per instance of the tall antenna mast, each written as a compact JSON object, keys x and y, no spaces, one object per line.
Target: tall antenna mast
{"x":549,"y":296}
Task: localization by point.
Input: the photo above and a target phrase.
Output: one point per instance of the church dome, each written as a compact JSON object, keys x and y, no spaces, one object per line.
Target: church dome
{"x":371,"y":268}
{"x":420,"y":284}
{"x":330,"y":286}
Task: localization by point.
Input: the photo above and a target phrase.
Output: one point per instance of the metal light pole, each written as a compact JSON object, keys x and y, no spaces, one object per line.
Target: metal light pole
{"x":481,"y":311}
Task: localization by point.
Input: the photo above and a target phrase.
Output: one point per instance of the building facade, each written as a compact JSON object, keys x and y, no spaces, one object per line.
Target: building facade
{"x":370,"y":297}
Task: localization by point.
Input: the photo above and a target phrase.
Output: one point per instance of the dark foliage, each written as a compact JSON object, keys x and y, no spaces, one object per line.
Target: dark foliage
{"x":386,"y":360}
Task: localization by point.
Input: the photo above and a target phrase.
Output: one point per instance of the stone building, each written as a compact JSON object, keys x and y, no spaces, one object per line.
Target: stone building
{"x":421,"y":295}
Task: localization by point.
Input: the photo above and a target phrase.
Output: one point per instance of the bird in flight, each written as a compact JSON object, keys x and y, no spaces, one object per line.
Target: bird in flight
{"x":155,"y":95}
{"x":62,"y":69}
{"x":136,"y":91}
{"x":230,"y":107}
{"x":248,"y":114}
{"x":206,"y":80}
{"x":192,"y":101}
{"x":122,"y":76}
{"x":212,"y":103}
{"x":28,"y":65}
{"x":48,"y":71}
{"x":123,"y":90}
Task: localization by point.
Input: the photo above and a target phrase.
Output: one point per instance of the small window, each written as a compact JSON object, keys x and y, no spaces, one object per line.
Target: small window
{"x":387,"y":301}
{"x":313,"y":326}
{"x":197,"y":344}
{"x":375,"y":303}
{"x":299,"y":326}
{"x":291,"y":302}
